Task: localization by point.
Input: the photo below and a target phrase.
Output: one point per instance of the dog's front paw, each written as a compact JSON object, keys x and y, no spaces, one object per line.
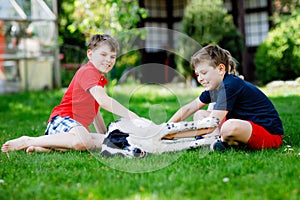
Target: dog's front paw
{"x":208,"y":122}
{"x":174,"y":127}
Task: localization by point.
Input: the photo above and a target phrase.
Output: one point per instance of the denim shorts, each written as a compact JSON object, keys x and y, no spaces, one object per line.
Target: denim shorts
{"x":60,"y":124}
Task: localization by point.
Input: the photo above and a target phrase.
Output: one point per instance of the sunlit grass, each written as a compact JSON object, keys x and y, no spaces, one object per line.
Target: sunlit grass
{"x":194,"y":174}
{"x":282,"y":91}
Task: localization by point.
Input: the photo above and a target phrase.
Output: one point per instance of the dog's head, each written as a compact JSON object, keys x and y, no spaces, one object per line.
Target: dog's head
{"x":116,"y":144}
{"x":122,"y":134}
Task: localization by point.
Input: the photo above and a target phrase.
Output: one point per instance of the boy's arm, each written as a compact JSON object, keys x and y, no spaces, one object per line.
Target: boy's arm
{"x":99,"y":123}
{"x":110,"y":104}
{"x":187,"y":110}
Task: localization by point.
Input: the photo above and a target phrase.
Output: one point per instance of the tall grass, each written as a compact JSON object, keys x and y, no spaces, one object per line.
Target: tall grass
{"x":193,"y":174}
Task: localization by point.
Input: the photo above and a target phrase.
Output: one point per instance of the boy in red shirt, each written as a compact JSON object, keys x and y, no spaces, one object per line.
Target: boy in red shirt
{"x":68,"y":123}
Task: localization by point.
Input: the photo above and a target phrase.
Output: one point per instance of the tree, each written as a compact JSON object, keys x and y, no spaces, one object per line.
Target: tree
{"x":79,"y":19}
{"x":66,"y":19}
{"x":283,"y":7}
{"x":207,"y":22}
{"x":115,"y":17}
{"x":278,"y":57}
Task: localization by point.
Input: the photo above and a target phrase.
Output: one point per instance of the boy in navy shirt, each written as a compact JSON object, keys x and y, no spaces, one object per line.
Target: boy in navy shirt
{"x":247,"y":116}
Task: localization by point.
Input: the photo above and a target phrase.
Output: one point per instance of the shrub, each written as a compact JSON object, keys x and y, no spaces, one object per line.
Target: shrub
{"x":125,"y":62}
{"x":207,"y":22}
{"x":278,"y":57}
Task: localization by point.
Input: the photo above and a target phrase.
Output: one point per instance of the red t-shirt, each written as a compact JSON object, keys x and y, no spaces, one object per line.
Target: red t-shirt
{"x":77,"y":102}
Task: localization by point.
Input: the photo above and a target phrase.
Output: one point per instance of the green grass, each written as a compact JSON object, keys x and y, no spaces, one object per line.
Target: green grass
{"x":195,"y":174}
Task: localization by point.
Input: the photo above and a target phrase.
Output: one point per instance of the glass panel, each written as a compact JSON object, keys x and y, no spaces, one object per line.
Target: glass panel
{"x":228,"y":5}
{"x":257,"y":27}
{"x":156,"y":39}
{"x":255,"y":3}
{"x":156,"y":8}
{"x":177,"y":27}
{"x":13,"y":32}
{"x":178,"y":8}
{"x":11,"y":10}
{"x":36,"y":9}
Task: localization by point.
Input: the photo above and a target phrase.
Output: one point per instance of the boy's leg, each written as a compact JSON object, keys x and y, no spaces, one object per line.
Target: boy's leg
{"x":16,"y":144}
{"x":84,"y":140}
{"x":78,"y":138}
{"x":235,"y":131}
{"x":262,"y":139}
{"x":32,"y":149}
{"x":61,"y":140}
{"x":201,"y":114}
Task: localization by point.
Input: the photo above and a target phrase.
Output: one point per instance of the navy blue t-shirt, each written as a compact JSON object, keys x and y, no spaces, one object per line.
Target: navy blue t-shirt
{"x":244,"y":101}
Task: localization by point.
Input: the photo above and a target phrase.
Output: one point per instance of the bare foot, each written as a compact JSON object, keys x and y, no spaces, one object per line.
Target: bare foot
{"x":32,"y":149}
{"x":16,"y":144}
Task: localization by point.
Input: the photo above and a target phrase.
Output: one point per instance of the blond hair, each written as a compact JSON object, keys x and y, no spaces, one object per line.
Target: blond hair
{"x":100,"y":39}
{"x":215,"y":55}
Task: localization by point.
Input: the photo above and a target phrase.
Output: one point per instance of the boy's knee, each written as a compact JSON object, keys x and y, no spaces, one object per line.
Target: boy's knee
{"x":79,"y":145}
{"x":228,"y":129}
{"x":236,"y":131}
{"x":201,"y":114}
{"x":80,"y":142}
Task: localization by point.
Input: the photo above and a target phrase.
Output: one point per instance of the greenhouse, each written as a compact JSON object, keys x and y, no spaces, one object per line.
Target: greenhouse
{"x":28,"y":45}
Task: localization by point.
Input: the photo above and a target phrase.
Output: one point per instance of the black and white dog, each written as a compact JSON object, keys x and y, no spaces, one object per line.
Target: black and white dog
{"x":137,"y":137}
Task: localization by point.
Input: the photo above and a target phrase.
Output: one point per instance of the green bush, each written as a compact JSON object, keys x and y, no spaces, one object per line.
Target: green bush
{"x":125,"y":61}
{"x":66,"y":76}
{"x":278,"y":57}
{"x":207,"y":22}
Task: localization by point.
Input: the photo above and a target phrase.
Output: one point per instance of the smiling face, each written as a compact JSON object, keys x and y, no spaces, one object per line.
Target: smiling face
{"x":211,"y":64}
{"x":102,"y":57}
{"x":209,"y":77}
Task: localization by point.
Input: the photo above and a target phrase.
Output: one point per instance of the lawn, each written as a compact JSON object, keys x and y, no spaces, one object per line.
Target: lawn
{"x":194,"y":174}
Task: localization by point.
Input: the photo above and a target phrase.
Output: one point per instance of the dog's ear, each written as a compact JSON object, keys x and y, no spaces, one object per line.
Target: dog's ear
{"x":117,"y":139}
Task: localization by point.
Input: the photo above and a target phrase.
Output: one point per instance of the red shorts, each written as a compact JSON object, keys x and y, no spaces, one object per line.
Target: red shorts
{"x":262,"y":139}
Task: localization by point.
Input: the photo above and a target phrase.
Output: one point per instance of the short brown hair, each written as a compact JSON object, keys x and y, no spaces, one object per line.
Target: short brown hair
{"x":99,"y":39}
{"x":215,"y":55}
